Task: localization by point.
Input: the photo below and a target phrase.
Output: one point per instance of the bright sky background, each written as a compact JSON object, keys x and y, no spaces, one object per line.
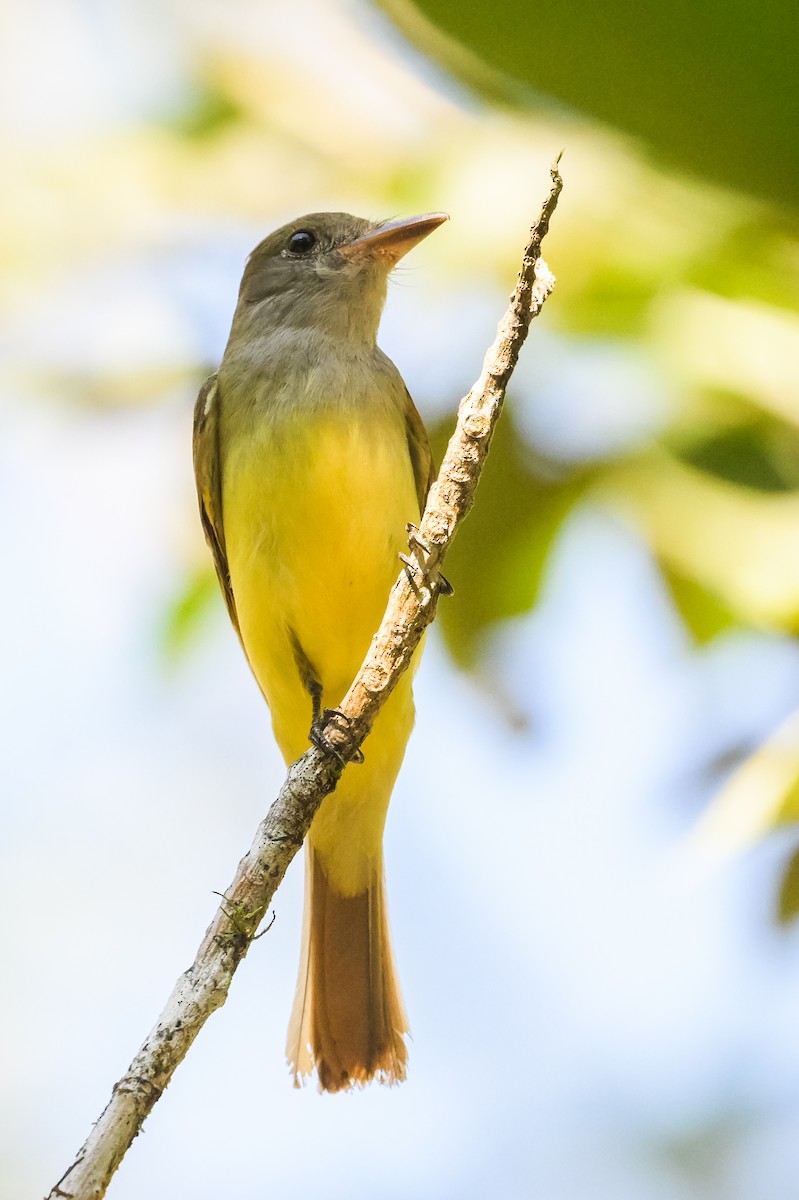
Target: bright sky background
{"x":588,"y":1022}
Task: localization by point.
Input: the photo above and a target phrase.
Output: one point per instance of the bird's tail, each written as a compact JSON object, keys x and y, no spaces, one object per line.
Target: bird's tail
{"x":348,"y":1018}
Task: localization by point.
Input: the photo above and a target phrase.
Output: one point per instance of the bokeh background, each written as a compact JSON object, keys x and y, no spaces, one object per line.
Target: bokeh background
{"x":591,"y":851}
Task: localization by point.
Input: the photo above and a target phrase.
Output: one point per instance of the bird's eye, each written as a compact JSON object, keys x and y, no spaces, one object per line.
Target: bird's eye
{"x":302,"y":242}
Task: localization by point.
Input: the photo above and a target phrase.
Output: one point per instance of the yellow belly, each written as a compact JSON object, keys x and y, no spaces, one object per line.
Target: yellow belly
{"x":314,"y":518}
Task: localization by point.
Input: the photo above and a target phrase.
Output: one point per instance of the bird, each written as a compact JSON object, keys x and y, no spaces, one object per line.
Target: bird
{"x":310,"y":460}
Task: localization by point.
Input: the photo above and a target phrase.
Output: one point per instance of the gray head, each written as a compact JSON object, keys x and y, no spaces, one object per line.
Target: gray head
{"x":326,"y":272}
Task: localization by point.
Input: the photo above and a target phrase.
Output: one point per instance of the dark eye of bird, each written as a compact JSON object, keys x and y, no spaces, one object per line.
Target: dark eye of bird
{"x":302,"y":242}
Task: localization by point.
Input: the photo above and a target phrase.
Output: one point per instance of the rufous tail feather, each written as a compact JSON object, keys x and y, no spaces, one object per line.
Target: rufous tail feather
{"x":348,"y":1019}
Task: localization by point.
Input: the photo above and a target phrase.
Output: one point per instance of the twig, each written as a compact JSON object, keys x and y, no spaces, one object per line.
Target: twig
{"x":411,"y":608}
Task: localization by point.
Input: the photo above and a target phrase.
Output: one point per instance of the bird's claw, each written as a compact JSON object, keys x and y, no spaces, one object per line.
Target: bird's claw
{"x":422,"y":564}
{"x":318,"y":736}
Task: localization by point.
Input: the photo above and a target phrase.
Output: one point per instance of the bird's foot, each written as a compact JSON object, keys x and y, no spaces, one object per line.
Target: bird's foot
{"x":423,"y":564}
{"x":319,"y":738}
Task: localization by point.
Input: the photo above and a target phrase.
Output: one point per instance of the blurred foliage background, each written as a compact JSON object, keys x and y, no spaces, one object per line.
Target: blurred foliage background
{"x":149,"y":147}
{"x":700,"y":277}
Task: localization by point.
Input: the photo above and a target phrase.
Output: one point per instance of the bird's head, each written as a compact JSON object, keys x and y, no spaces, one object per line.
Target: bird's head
{"x":326,"y":271}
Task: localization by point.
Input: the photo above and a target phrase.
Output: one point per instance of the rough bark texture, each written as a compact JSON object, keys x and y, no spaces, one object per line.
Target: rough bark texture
{"x":411,"y":607}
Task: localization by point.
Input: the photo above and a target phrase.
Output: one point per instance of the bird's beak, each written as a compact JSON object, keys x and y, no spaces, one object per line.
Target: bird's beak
{"x":391,"y":241}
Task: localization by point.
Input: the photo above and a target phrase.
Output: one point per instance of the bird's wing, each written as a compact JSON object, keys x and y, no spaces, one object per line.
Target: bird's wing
{"x":208,"y":474}
{"x":419,"y":450}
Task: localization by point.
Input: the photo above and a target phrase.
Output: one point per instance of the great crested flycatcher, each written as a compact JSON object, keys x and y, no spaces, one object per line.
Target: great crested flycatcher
{"x":310,"y":459}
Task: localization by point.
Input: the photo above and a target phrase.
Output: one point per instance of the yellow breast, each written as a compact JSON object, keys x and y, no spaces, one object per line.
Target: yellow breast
{"x":315,"y":514}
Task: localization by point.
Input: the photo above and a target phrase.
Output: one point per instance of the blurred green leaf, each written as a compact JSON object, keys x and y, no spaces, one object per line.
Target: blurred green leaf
{"x":497,"y":561}
{"x":754,"y":260}
{"x":736,"y":542}
{"x":788,"y":812}
{"x":710,"y":87}
{"x":704,"y":612}
{"x":613,"y":302}
{"x":209,"y":111}
{"x":761,"y":796}
{"x":788,"y":894}
{"x":763,"y":455}
{"x":185,"y":616}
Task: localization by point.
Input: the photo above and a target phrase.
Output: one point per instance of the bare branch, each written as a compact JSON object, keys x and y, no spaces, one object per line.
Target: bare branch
{"x":411,"y":607}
